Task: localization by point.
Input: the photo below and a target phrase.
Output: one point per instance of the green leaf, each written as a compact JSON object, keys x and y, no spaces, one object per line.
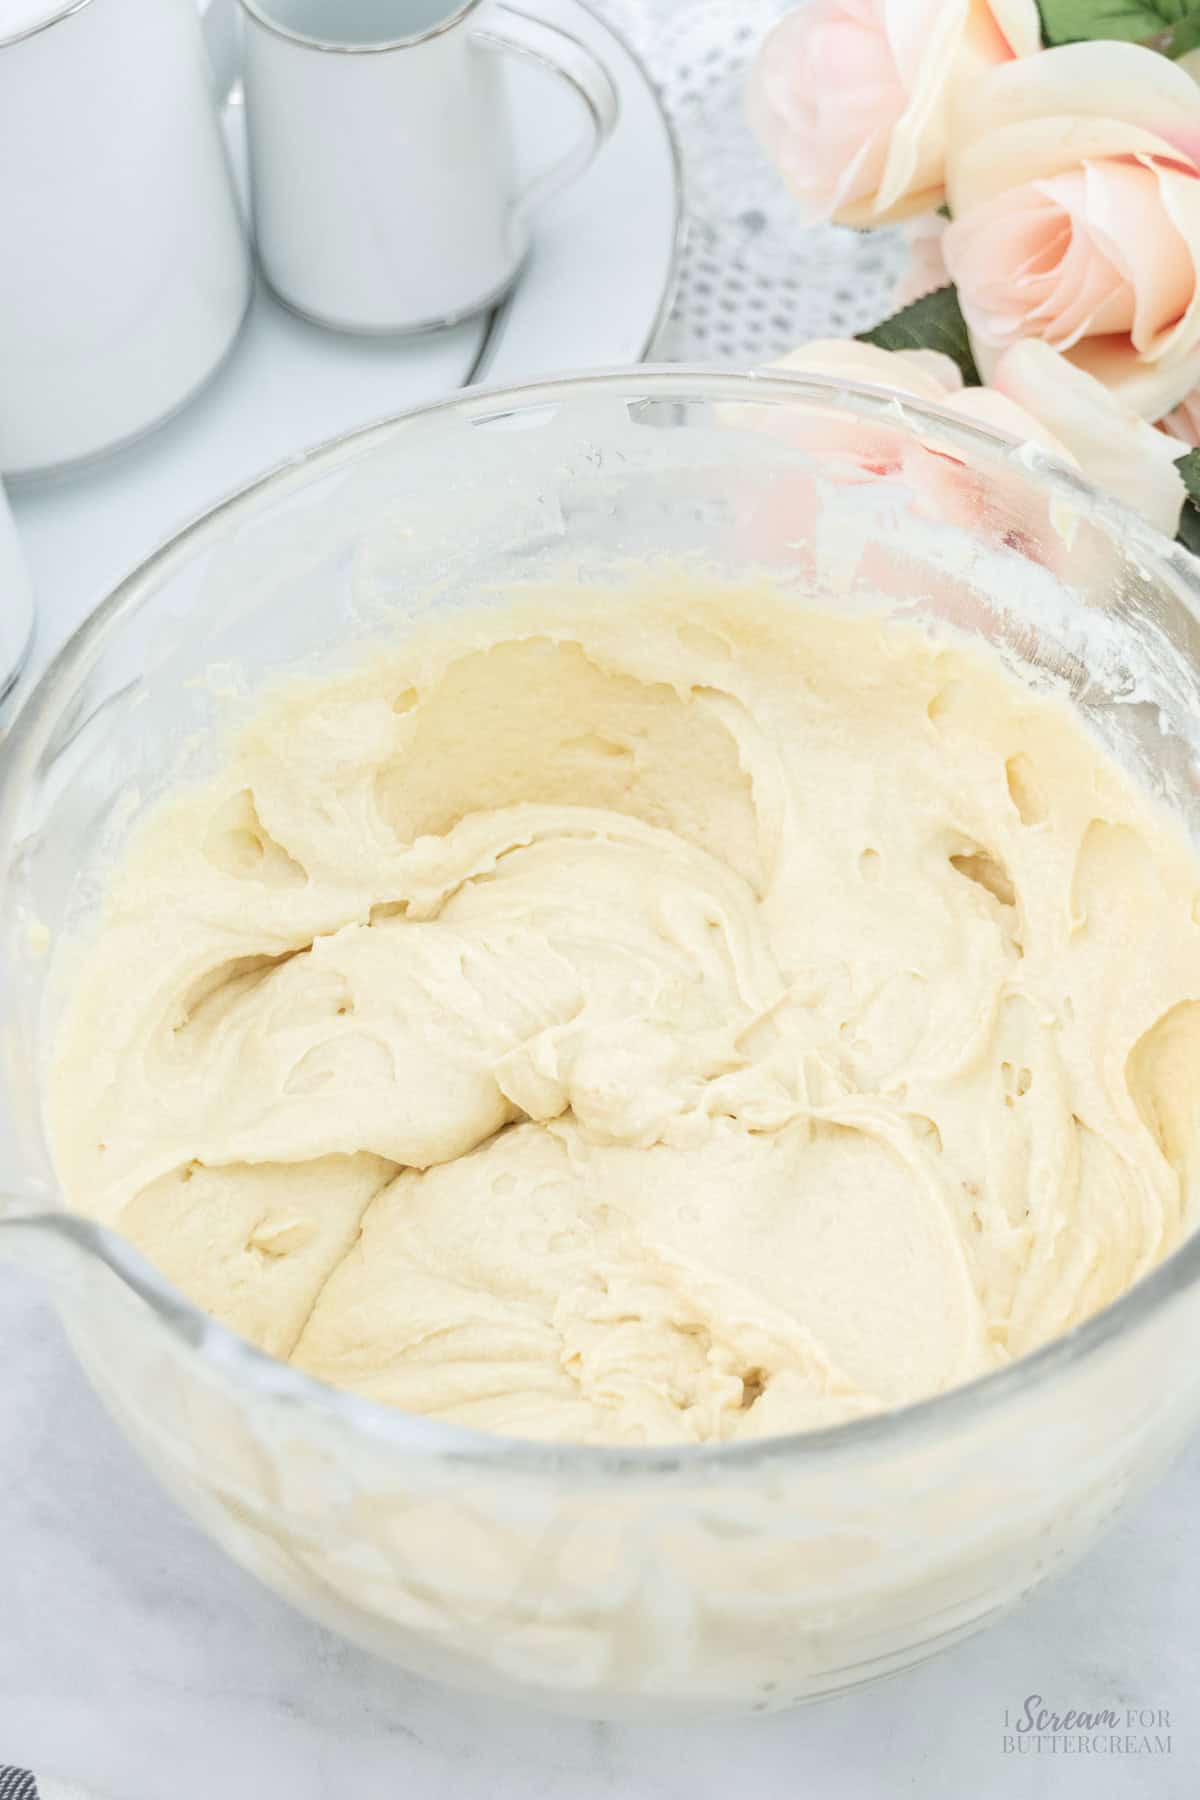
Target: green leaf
{"x":1189,"y":527}
{"x":1189,"y":520}
{"x":1189,"y":467}
{"x":1172,"y":26}
{"x":934,"y":323}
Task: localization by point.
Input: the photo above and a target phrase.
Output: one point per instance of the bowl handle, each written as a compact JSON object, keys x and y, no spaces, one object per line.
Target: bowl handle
{"x":59,"y":1246}
{"x":67,"y":1249}
{"x":38,"y":1242}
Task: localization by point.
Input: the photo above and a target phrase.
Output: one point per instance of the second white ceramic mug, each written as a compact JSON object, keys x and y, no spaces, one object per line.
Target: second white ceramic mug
{"x":384,"y":189}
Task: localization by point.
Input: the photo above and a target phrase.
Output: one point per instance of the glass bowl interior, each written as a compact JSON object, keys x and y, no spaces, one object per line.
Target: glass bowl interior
{"x":848,"y":496}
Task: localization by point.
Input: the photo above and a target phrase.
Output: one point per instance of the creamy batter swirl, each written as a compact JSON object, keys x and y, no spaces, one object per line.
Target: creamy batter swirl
{"x":650,"y":1021}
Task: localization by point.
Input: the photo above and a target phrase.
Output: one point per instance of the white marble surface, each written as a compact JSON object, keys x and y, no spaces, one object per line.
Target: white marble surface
{"x":134,"y":1656}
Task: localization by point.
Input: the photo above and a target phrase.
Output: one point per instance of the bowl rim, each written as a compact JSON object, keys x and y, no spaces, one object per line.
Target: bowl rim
{"x":250,"y":1370}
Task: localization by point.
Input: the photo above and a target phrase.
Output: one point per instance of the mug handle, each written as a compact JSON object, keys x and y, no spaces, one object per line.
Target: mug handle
{"x":520,"y":34}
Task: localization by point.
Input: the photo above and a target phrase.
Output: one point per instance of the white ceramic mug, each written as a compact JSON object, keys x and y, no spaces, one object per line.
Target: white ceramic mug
{"x":384,"y":190}
{"x":124,"y":267}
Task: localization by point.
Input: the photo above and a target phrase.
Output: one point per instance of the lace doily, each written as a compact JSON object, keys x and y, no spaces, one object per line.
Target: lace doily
{"x":753,"y":281}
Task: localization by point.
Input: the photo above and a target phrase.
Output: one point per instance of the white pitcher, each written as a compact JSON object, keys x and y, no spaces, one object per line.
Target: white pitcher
{"x":385,"y":190}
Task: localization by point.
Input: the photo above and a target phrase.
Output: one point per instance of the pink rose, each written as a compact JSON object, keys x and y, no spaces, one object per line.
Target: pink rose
{"x":940,"y":484}
{"x":850,"y":97}
{"x":1114,"y":448}
{"x":1037,"y":396}
{"x":923,"y":375}
{"x":1074,"y":184}
{"x":854,"y":450}
{"x":926,"y":270}
{"x":1183,"y":422}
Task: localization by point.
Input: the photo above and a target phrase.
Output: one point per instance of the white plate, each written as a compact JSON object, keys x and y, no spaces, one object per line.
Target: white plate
{"x":593,"y":292}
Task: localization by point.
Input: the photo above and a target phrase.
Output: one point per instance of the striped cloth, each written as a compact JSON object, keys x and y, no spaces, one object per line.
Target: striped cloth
{"x":19,"y":1784}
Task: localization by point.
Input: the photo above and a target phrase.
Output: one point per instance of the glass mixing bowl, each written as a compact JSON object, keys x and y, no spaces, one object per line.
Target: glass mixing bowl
{"x":610,"y":1582}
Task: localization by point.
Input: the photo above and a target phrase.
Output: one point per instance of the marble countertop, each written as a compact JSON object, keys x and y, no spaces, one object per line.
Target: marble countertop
{"x":135,"y":1657}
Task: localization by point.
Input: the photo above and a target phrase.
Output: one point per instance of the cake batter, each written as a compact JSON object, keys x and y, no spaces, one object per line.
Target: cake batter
{"x":647,"y":1020}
